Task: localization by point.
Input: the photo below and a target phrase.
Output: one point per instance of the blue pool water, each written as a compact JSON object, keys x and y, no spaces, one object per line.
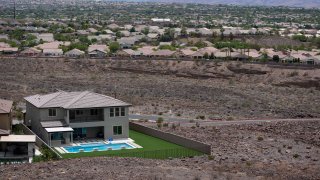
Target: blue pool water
{"x":98,"y":146}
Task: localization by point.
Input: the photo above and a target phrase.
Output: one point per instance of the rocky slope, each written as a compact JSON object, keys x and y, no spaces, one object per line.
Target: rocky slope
{"x":283,"y":150}
{"x":217,"y":90}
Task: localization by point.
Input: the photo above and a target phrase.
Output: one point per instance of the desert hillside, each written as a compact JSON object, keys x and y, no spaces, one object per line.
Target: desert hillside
{"x":217,"y":90}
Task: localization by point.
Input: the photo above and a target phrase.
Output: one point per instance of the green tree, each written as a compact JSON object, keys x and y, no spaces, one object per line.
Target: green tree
{"x":184,"y":32}
{"x":145,"y":31}
{"x":132,"y":29}
{"x":118,"y":34}
{"x":276,"y":58}
{"x":114,"y":47}
{"x":231,"y":36}
{"x":167,"y":36}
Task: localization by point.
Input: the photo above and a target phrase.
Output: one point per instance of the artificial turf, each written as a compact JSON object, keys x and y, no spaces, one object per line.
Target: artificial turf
{"x":152,"y":148}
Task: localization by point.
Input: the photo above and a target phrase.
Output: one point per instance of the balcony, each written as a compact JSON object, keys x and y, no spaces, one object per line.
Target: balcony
{"x":83,"y":119}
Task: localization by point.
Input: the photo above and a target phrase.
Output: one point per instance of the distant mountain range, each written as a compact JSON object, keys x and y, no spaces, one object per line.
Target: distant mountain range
{"x":290,"y":3}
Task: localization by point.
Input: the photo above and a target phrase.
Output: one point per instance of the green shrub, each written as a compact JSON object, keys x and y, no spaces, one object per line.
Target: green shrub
{"x":230,"y":118}
{"x":159,"y":125}
{"x":160,"y":120}
{"x":296,"y":155}
{"x":294,"y":73}
{"x":46,"y":155}
{"x":201,"y":117}
{"x":260,"y":138}
{"x":17,"y":129}
{"x":211,"y":157}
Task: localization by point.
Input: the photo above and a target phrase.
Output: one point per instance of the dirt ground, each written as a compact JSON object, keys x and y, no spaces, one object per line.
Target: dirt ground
{"x":216,"y":90}
{"x":281,"y":150}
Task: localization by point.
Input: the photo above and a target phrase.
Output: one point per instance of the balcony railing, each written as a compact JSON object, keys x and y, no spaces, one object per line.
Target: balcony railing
{"x":87,"y":119}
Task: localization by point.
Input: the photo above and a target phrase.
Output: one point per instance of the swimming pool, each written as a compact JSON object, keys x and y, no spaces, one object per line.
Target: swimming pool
{"x":90,"y":147}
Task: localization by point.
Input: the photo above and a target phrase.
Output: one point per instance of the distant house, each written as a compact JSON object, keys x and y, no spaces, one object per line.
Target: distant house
{"x":5,"y":48}
{"x":74,"y":53}
{"x":125,"y":33}
{"x":13,"y":147}
{"x":126,"y":42}
{"x":82,"y":32}
{"x":203,"y":52}
{"x":160,"y":20}
{"x":140,"y":28}
{"x":197,"y":55}
{"x":30,"y":52}
{"x":152,"y":36}
{"x":186,"y":52}
{"x":101,"y":47}
{"x":221,"y":54}
{"x":113,"y":26}
{"x":128,"y":26}
{"x":97,"y":51}
{"x":52,"y":52}
{"x":147,"y":50}
{"x":4,"y":45}
{"x":205,"y":31}
{"x":9,"y":50}
{"x":52,"y":45}
{"x":92,"y":30}
{"x":61,"y":117}
{"x":46,"y":37}
{"x":129,"y":53}
{"x":108,"y":31}
{"x":162,"y":53}
{"x":4,"y":36}
{"x":239,"y":56}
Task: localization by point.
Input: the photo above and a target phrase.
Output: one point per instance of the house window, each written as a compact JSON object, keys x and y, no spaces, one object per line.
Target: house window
{"x":79,"y":133}
{"x":123,"y":111}
{"x":93,"y":112}
{"x":52,"y":112}
{"x":79,"y":112}
{"x":117,"y":111}
{"x":117,"y":130}
{"x":56,"y":136}
{"x":111,"y":112}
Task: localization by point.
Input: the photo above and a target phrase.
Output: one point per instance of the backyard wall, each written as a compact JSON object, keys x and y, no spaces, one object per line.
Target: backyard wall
{"x":182,"y":141}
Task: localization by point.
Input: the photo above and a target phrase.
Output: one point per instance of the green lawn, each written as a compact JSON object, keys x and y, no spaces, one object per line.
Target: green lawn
{"x":152,"y":148}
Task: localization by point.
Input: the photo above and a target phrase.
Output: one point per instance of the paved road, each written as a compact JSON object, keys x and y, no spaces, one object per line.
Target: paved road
{"x":186,"y":122}
{"x":223,"y":123}
{"x":155,"y":117}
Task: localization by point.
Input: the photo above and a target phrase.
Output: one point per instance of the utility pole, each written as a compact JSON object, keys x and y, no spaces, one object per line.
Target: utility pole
{"x":14,"y":9}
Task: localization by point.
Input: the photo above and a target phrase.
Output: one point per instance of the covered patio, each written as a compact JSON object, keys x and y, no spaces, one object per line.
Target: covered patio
{"x":17,"y":147}
{"x":59,"y":136}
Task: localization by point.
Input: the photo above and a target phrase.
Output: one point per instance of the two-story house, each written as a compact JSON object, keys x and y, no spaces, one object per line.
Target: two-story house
{"x":59,"y":118}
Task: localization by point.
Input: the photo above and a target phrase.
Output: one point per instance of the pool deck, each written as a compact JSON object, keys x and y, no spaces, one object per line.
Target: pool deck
{"x":129,"y":141}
